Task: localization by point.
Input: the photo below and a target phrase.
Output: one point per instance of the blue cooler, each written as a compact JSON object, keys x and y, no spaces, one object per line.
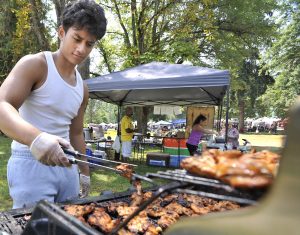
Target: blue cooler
{"x":89,"y":152}
{"x":99,"y":154}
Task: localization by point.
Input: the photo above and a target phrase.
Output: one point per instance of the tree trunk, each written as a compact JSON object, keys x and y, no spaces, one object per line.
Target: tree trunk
{"x":142,"y":118}
{"x":38,"y":27}
{"x":241,"y":114}
{"x":84,"y":68}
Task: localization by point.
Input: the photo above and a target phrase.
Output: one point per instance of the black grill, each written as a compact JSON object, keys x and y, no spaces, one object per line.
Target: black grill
{"x":50,"y":217}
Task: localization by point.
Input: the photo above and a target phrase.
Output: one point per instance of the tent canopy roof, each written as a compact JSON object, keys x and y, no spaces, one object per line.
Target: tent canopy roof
{"x":161,"y":83}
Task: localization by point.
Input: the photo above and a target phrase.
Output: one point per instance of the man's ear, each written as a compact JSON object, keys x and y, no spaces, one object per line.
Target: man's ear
{"x":61,"y":32}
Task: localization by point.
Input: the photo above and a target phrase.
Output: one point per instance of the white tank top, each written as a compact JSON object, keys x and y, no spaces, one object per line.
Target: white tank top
{"x":51,"y":107}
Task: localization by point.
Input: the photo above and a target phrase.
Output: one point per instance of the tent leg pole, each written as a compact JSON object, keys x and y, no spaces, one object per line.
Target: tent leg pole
{"x":227,"y":114}
{"x":220,"y":110}
{"x":117,"y":155}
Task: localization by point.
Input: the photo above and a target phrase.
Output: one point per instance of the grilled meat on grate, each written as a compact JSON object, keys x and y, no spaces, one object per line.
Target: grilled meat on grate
{"x":127,"y":170}
{"x":102,"y":220}
{"x":251,"y":170}
{"x":79,"y":210}
{"x":158,"y":216}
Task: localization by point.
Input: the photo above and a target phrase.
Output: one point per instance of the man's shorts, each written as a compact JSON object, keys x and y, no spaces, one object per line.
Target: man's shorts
{"x":126,"y":148}
{"x":30,"y":181}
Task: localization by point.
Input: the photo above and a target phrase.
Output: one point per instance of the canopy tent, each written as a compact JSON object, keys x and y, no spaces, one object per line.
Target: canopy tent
{"x":162,"y":122}
{"x":161,"y":83}
{"x":179,"y":121}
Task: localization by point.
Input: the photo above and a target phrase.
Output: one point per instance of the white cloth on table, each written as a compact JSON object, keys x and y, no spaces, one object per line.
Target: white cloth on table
{"x":126,"y":148}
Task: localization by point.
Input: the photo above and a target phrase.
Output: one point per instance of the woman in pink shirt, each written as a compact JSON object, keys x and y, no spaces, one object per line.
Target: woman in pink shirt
{"x":196,"y":134}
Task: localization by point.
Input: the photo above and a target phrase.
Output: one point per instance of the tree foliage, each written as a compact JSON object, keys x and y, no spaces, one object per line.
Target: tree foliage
{"x":22,"y":31}
{"x":283,"y":58}
{"x":225,"y":34}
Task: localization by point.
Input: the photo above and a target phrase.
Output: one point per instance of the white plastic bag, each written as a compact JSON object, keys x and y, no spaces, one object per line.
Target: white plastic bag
{"x":117,"y":145}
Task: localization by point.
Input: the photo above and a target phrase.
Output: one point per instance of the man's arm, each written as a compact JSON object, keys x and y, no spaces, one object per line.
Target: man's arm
{"x":76,"y":132}
{"x":28,"y":74}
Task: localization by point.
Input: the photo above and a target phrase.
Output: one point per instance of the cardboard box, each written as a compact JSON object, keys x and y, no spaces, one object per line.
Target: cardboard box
{"x":158,"y":159}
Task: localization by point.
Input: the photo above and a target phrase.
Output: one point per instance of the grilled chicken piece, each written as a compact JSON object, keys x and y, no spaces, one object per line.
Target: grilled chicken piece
{"x":155,"y":211}
{"x":126,"y":170}
{"x":125,"y":211}
{"x":112,"y":206}
{"x":174,"y":206}
{"x":246,"y":167}
{"x":139,"y":224}
{"x":136,"y":199}
{"x":153,"y":230}
{"x":147,"y":195}
{"x":224,"y":206}
{"x":169,"y":218}
{"x":102,"y":220}
{"x":251,"y":170}
{"x":199,"y":201}
{"x":123,"y":231}
{"x":242,"y":181}
{"x":200,"y":210}
{"x":270,"y":159}
{"x":204,"y":165}
{"x":79,"y":210}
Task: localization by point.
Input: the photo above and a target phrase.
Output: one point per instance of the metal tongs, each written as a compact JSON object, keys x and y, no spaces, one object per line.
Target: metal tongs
{"x":75,"y":160}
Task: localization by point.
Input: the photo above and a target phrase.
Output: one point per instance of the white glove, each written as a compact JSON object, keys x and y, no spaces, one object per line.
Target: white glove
{"x":47,"y":149}
{"x":85,"y":185}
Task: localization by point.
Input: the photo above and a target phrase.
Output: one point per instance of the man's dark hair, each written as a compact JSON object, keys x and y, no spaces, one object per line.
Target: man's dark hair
{"x":200,"y":118}
{"x":85,"y":14}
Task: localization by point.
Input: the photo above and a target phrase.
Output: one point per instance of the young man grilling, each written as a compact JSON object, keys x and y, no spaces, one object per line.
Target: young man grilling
{"x":42,"y":104}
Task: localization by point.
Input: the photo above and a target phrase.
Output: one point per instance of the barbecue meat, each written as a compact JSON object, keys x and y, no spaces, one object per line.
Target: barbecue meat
{"x":125,"y":211}
{"x":112,"y":206}
{"x":102,"y":220}
{"x":153,"y":230}
{"x":139,"y":224}
{"x":147,"y":195}
{"x":174,"y":206}
{"x":240,"y":181}
{"x":169,"y":218}
{"x":123,"y":231}
{"x":205,"y":165}
{"x":224,"y":206}
{"x":136,"y":199}
{"x":155,"y":211}
{"x":199,"y":210}
{"x":79,"y":210}
{"x":246,"y":167}
{"x":251,"y":170}
{"x":126,"y":170}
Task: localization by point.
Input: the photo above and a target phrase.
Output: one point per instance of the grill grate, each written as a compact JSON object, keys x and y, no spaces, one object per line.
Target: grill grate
{"x":211,"y":188}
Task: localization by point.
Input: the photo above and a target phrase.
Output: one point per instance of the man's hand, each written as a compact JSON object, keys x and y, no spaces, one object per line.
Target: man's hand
{"x":47,"y":149}
{"x":85,"y":184}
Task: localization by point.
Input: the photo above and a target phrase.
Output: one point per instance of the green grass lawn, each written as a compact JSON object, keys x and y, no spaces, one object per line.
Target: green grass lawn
{"x":101,"y":180}
{"x":5,"y":200}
